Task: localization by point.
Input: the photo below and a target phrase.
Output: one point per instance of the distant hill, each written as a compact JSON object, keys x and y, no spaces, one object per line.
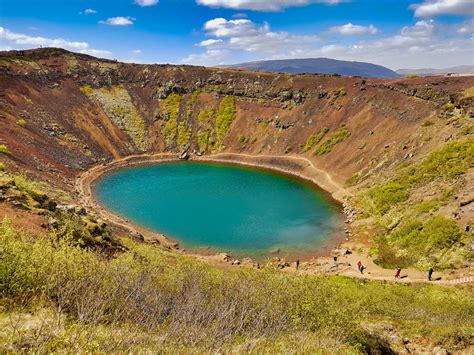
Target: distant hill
{"x":320,"y":66}
{"x":459,"y":70}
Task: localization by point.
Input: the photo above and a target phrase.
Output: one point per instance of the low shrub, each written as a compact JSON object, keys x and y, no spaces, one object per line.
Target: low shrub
{"x":337,"y":137}
{"x":187,"y":303}
{"x":388,"y":195}
{"x":314,"y":139}
{"x":21,"y":122}
{"x":4,"y":149}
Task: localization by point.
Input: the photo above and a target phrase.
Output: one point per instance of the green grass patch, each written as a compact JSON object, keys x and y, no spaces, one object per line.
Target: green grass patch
{"x":314,"y":139}
{"x":184,"y":135}
{"x":4,"y":149}
{"x":171,"y":107}
{"x":21,"y":122}
{"x":437,"y":242}
{"x":225,"y":117}
{"x":336,"y":137}
{"x":87,"y":90}
{"x":183,"y":302}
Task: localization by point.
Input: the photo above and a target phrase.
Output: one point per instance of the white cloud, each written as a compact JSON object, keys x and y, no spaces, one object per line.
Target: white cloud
{"x":146,"y":2}
{"x":22,"y":41}
{"x":210,"y":56}
{"x":467,"y":27}
{"x":246,"y":36}
{"x":209,"y":42}
{"x":354,"y":30}
{"x":424,"y":44}
{"x":96,"y":52}
{"x":420,"y":29}
{"x":90,"y":11}
{"x":431,"y":8}
{"x":137,"y":51}
{"x":118,"y":21}
{"x":262,"y":5}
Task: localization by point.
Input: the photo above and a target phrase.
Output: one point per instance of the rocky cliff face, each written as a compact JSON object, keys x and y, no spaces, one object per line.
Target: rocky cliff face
{"x":61,"y":113}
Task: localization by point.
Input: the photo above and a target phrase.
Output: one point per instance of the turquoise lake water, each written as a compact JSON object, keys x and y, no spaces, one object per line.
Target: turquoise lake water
{"x":224,"y":208}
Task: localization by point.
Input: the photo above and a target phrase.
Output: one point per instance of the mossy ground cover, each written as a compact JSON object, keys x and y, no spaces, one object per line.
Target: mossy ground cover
{"x":4,"y":149}
{"x":314,"y":139}
{"x":225,"y":117}
{"x":170,"y":106}
{"x":337,"y":137}
{"x":412,"y":233}
{"x":146,"y":298}
{"x":117,"y":104}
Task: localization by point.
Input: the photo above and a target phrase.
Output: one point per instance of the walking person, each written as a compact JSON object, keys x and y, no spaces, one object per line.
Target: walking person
{"x":297,"y":264}
{"x":334,"y":260}
{"x":360,"y":267}
{"x":397,"y":274}
{"x":430,"y":274}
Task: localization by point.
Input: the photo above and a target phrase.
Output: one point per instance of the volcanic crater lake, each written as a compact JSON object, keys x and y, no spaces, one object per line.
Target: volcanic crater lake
{"x":223,"y":208}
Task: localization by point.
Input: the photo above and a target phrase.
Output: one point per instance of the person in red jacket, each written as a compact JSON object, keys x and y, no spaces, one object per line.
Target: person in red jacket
{"x":360,"y":267}
{"x":397,"y":274}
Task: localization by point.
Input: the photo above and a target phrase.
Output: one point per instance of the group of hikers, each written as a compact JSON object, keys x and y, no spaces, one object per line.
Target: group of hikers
{"x":361,"y":269}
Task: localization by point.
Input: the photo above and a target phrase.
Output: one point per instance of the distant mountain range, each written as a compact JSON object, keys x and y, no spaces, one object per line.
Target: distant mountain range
{"x":459,"y":70}
{"x":320,"y":66}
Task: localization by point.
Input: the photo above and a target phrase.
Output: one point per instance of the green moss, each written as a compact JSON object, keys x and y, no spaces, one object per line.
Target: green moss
{"x":337,"y":137}
{"x":449,"y":107}
{"x":314,"y":139}
{"x":428,"y":206}
{"x":341,"y":92}
{"x":203,"y":140}
{"x":4,"y":149}
{"x":448,"y":162}
{"x":205,"y":116}
{"x":21,"y":122}
{"x":118,"y":105}
{"x":87,"y":90}
{"x":184,"y":135}
{"x":386,"y":196}
{"x":438,"y":242}
{"x":354,"y":179}
{"x":2,"y":167}
{"x":225,"y":117}
{"x":171,"y":107}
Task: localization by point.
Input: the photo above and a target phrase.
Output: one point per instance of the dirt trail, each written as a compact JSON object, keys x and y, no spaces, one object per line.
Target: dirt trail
{"x":304,"y":169}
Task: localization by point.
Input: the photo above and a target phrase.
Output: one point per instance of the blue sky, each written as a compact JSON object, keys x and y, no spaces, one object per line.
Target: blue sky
{"x":394,"y":33}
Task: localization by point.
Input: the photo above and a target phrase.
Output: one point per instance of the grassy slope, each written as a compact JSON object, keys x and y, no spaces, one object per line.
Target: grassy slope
{"x":57,"y":296}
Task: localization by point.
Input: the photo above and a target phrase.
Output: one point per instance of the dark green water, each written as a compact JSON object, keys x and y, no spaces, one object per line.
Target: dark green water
{"x":225,"y":208}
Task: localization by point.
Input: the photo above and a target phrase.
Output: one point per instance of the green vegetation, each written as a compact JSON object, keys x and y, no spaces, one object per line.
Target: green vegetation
{"x":341,"y":92}
{"x":184,"y":135}
{"x":58,"y":297}
{"x":314,"y":139}
{"x":2,"y":167}
{"x":21,"y":122}
{"x":87,"y":90}
{"x":337,"y":137}
{"x":225,"y":117}
{"x":387,"y":195}
{"x":437,"y":242}
{"x":118,"y":105}
{"x":427,"y":123}
{"x":428,"y":206}
{"x":408,"y":234}
{"x":449,"y":107}
{"x":4,"y":149}
{"x":205,"y":116}
{"x":171,"y":106}
{"x":354,"y":179}
{"x":412,"y":76}
{"x":245,"y":139}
